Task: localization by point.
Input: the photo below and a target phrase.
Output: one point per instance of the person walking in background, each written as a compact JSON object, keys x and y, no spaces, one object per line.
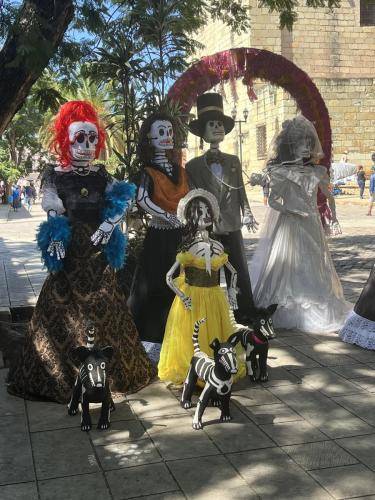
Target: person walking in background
{"x":16,"y":197}
{"x":266,"y":190}
{"x":361,"y":180}
{"x":28,"y":192}
{"x":372,"y":190}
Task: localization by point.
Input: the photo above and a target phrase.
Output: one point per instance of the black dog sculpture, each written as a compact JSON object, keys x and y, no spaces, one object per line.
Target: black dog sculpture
{"x":255,"y":342}
{"x":91,"y":385}
{"x":217,"y":373}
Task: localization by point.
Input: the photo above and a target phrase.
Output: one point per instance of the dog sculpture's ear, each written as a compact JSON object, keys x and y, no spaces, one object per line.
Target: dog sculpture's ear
{"x":107,"y":352}
{"x":80,"y":353}
{"x":272,"y":308}
{"x":234,"y":338}
{"x":215,"y":345}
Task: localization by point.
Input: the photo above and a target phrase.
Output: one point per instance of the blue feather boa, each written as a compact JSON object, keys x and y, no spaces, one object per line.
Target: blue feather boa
{"x":54,"y":229}
{"x":117,"y":200}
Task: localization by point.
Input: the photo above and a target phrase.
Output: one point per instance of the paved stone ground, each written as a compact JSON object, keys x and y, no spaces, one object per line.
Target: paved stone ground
{"x":307,"y":433}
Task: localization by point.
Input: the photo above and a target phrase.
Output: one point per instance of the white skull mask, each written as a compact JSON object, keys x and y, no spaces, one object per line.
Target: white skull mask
{"x":83,"y":138}
{"x":161,"y":134}
{"x":214,"y":132}
{"x":302,"y":148}
{"x":205,"y":218}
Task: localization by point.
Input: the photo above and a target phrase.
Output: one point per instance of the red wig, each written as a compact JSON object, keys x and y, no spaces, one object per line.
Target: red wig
{"x":73,"y":111}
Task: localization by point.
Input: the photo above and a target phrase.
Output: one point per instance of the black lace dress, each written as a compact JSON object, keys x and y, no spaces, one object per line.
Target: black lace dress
{"x":84,"y":292}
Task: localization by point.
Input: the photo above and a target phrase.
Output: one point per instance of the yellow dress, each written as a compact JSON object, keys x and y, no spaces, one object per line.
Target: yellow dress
{"x":208,"y":301}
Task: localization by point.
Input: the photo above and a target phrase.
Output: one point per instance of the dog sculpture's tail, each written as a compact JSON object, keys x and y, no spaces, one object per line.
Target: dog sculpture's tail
{"x":197,"y":324}
{"x":90,"y":338}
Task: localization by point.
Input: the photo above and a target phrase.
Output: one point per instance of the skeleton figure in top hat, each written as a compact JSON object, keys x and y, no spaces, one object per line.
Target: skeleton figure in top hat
{"x":221,"y":174}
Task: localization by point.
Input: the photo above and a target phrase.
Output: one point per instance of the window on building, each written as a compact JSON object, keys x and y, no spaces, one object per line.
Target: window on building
{"x":261,"y":136}
{"x":367,"y":16}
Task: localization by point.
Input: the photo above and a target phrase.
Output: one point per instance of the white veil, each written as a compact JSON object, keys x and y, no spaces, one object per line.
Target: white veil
{"x":297,"y":141}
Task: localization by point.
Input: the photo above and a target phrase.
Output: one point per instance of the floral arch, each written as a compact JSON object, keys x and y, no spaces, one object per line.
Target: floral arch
{"x":248,"y":64}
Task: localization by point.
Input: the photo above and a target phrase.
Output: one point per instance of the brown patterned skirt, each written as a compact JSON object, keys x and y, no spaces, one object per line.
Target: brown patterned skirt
{"x":85,"y":292}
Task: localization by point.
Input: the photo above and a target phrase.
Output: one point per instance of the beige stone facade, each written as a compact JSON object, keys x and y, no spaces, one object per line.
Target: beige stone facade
{"x":336,"y":52}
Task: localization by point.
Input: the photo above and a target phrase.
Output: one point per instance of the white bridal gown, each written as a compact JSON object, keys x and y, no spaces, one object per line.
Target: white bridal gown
{"x":292,"y":265}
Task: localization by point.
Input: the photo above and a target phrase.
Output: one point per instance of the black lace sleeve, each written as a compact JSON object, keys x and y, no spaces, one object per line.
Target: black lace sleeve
{"x":48,"y":177}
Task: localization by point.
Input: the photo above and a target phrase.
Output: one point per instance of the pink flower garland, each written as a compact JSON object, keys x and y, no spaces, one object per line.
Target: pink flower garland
{"x":248,"y":63}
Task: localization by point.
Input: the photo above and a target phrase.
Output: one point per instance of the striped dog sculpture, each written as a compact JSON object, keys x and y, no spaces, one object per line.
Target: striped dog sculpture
{"x":255,"y":341}
{"x":91,"y":385}
{"x":216,"y":372}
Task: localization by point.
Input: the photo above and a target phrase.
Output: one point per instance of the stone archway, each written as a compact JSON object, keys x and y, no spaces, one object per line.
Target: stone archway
{"x":249,"y":64}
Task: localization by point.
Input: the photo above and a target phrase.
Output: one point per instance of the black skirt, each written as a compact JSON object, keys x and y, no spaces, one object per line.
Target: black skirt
{"x":365,"y":305}
{"x":150,"y":297}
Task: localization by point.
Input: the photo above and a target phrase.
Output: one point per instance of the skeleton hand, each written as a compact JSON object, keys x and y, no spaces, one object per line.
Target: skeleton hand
{"x":232,"y":298}
{"x":187,"y":302}
{"x":250,"y":222}
{"x":335,"y":228}
{"x":173,"y":220}
{"x":103,"y":233}
{"x":56,"y":248}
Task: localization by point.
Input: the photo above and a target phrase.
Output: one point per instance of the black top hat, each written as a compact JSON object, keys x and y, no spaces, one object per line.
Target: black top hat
{"x":210,"y":107}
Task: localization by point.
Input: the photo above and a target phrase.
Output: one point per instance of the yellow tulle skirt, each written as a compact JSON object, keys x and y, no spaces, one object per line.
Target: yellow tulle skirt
{"x":177,"y":349}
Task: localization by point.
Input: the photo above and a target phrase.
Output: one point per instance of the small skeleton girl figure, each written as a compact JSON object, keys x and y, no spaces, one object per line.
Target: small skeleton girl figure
{"x":162,"y":186}
{"x":81,"y":246}
{"x":292,"y":265}
{"x":197,"y":289}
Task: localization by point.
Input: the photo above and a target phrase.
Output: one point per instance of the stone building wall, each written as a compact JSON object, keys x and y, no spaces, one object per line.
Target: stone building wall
{"x":333,"y":49}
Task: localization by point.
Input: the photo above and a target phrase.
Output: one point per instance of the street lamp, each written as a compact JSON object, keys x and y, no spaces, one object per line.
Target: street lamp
{"x":240,"y":122}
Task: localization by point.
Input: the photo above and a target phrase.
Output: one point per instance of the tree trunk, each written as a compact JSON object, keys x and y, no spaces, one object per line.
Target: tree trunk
{"x":31,"y":42}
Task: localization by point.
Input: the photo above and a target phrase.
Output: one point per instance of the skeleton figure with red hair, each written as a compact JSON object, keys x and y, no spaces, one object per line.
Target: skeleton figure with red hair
{"x":82,"y":245}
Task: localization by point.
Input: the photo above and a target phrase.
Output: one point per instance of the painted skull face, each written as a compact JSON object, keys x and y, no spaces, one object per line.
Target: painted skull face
{"x":214,"y":131}
{"x":302,"y":150}
{"x":205,"y":218}
{"x":161,"y":134}
{"x":83,"y":138}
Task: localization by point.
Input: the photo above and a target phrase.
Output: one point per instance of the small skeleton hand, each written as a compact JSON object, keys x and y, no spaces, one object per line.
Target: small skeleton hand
{"x":250,"y":222}
{"x":103,"y":233}
{"x":335,"y":228}
{"x":173,"y":220}
{"x":232,"y":298}
{"x":56,"y":248}
{"x":187,"y":302}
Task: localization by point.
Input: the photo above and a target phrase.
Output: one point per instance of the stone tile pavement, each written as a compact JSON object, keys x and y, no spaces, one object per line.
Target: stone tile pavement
{"x":308,"y":433}
{"x":21,"y":273}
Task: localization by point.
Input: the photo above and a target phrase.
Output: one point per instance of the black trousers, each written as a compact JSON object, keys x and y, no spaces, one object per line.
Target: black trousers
{"x":234,"y":247}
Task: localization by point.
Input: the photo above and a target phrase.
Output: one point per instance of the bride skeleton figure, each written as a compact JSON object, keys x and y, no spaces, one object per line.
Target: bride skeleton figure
{"x":162,"y":186}
{"x":80,"y":243}
{"x":197,"y":289}
{"x":292,"y":265}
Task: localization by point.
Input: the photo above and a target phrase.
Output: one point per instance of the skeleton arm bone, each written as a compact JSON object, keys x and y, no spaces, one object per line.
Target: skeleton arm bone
{"x":104,"y":232}
{"x":169,"y":279}
{"x":331,"y":200}
{"x":248,"y":219}
{"x":334,"y":228}
{"x":232,"y":290}
{"x":53,"y":205}
{"x":145,"y":202}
